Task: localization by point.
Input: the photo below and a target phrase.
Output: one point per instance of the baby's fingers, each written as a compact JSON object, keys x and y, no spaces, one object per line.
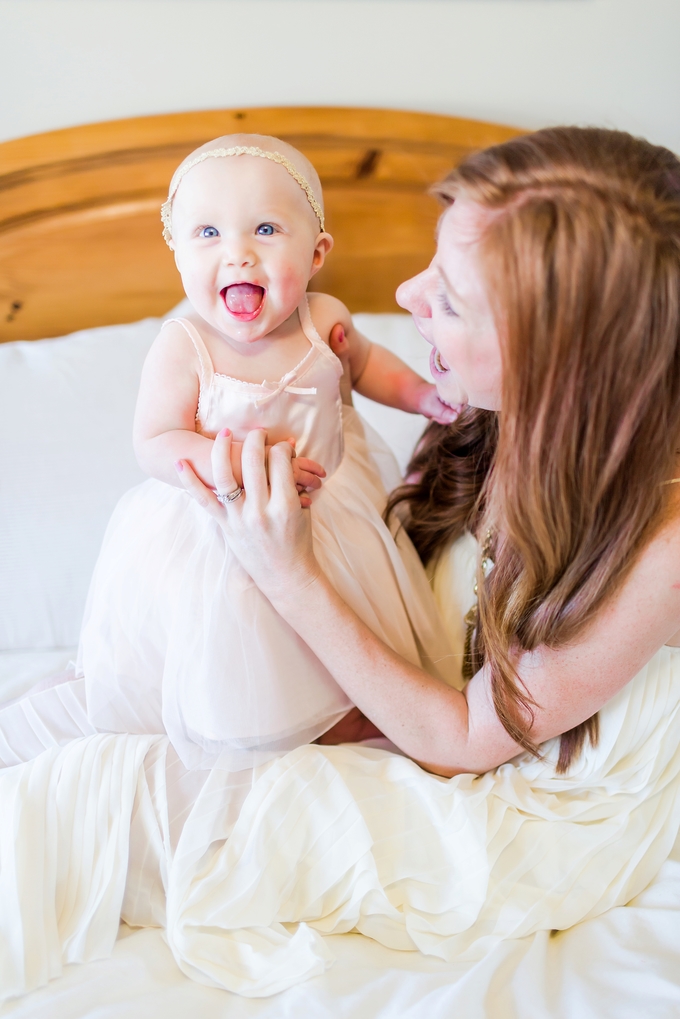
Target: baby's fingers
{"x":307,"y":473}
{"x":446,"y":415}
{"x":311,"y":466}
{"x":339,"y":344}
{"x":306,"y":481}
{"x":338,"y":341}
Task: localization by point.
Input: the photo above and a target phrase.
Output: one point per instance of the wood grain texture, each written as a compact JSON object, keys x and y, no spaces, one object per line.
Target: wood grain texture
{"x":80,"y":232}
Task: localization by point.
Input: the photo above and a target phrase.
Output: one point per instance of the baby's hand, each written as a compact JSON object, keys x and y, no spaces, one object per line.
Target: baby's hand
{"x":339,"y":344}
{"x":307,"y":474}
{"x":428,"y":404}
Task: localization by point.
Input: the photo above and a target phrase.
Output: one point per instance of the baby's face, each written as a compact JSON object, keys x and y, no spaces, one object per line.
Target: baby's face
{"x":246,"y":244}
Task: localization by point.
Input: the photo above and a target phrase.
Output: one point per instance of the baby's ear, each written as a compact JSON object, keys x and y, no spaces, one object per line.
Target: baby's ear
{"x":324,"y":243}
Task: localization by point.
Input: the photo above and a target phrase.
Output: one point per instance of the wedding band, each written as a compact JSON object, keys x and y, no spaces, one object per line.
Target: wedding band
{"x":231,"y":497}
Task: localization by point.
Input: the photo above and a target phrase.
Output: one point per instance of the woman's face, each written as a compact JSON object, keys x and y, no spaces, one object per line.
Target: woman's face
{"x":451,"y":310}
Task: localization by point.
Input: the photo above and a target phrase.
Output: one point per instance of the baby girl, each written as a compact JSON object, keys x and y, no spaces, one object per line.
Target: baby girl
{"x":176,"y":637}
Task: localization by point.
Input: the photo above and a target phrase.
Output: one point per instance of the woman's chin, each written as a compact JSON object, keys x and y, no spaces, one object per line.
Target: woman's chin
{"x":453,"y":396}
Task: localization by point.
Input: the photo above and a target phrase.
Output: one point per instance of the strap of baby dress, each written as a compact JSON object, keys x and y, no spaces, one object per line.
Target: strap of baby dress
{"x":311,"y":332}
{"x":286,"y":384}
{"x":204,"y":359}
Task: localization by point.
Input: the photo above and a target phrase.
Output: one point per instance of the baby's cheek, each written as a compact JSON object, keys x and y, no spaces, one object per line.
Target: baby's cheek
{"x":292,"y":284}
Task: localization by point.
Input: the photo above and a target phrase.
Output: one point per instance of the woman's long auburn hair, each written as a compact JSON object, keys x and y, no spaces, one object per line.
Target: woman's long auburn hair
{"x":583,"y":268}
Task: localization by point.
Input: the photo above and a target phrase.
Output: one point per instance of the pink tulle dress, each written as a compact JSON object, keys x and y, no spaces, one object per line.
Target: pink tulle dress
{"x":177,"y":638}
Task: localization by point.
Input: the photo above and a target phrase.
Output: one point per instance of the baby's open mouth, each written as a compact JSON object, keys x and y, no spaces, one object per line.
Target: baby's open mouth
{"x":243,"y":299}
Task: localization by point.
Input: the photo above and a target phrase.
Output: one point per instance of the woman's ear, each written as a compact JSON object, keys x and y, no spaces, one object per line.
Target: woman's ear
{"x":324,"y":243}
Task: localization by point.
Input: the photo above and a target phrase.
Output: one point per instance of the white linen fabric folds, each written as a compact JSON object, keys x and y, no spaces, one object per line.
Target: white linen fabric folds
{"x":325,"y":840}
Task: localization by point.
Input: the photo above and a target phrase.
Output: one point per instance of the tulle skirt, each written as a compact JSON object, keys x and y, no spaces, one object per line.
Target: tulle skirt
{"x":178,"y":639}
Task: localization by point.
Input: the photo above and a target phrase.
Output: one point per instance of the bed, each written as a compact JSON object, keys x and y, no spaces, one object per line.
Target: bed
{"x":84,"y":271}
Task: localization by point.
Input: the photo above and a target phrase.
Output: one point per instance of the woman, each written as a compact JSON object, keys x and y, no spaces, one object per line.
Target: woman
{"x":553,"y":309}
{"x":554,"y":297}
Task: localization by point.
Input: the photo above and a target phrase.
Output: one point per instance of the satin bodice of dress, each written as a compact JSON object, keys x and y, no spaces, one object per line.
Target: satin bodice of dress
{"x":305,"y":403}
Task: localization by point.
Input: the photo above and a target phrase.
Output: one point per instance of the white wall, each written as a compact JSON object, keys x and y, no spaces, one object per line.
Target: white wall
{"x":524,"y":62}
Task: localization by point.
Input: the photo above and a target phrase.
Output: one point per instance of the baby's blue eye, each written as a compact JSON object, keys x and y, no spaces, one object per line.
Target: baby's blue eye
{"x":265,"y":230}
{"x":210,"y":231}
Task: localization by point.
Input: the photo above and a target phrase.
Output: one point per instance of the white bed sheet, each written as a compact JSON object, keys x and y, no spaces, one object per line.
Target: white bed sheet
{"x":20,"y":670}
{"x":623,"y":965}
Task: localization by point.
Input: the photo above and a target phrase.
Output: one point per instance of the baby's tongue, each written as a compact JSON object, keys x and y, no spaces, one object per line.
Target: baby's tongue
{"x":243,"y":298}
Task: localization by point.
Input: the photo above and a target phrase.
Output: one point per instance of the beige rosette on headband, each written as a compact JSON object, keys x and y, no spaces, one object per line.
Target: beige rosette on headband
{"x":237,"y":150}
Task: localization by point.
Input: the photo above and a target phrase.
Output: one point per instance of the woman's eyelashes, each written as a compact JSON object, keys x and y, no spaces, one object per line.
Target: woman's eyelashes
{"x":444,"y":304}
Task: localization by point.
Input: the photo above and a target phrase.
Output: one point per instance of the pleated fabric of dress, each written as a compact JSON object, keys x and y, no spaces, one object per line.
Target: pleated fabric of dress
{"x":248,"y":871}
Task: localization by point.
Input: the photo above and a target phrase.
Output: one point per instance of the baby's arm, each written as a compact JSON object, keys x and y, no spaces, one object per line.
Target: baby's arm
{"x":375,"y":371}
{"x":165,"y":419}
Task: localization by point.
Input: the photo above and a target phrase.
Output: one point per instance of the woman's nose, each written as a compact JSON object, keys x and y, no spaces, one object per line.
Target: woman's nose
{"x":413,"y":294}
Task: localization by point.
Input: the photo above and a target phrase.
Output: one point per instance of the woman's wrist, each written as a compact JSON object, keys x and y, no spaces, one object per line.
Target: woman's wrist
{"x":296,"y":591}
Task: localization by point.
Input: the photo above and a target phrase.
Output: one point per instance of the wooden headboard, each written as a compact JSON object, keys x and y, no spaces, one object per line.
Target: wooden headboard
{"x":80,"y":232}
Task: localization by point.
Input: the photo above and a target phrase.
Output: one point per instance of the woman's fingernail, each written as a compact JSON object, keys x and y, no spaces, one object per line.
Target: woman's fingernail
{"x":224,"y":433}
{"x":179,"y":466}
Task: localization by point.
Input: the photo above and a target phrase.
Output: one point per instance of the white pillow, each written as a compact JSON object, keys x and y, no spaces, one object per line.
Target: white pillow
{"x":396,"y":332}
{"x":66,"y":409}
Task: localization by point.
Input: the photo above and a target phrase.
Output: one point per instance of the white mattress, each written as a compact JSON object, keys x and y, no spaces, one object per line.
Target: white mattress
{"x":623,"y":965}
{"x":20,"y":670}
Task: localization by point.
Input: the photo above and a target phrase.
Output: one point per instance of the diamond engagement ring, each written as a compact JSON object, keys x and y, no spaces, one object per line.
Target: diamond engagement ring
{"x":230,"y":497}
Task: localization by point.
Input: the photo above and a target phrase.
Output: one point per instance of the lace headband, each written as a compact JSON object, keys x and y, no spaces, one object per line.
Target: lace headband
{"x":238,"y":150}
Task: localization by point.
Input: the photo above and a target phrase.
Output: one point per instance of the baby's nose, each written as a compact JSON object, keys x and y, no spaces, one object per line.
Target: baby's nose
{"x":239,"y":254}
{"x":240,"y":260}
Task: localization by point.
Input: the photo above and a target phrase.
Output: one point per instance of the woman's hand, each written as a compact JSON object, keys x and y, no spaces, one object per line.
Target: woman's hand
{"x":339,"y":344}
{"x":307,"y":473}
{"x":268,"y":527}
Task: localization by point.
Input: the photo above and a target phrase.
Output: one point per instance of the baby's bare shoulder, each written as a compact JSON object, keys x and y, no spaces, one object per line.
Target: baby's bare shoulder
{"x":173,"y":346}
{"x":327,"y":311}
